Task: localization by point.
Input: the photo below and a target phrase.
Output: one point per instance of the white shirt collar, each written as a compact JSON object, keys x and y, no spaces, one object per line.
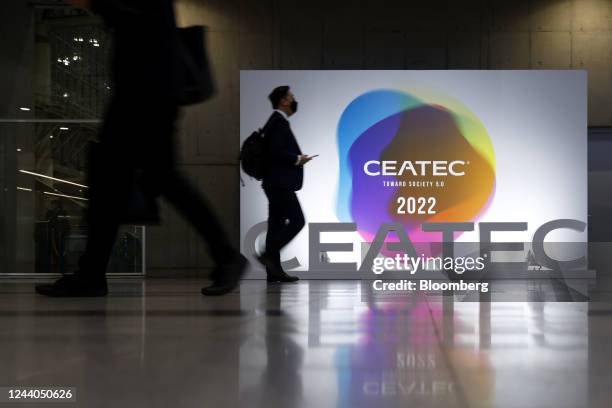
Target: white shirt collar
{"x":282,"y":113}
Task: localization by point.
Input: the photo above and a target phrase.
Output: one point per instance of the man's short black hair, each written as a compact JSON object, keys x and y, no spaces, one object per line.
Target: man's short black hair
{"x":277,"y":94}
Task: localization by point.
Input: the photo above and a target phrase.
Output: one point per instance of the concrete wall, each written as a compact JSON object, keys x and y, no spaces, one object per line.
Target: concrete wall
{"x":365,"y":34}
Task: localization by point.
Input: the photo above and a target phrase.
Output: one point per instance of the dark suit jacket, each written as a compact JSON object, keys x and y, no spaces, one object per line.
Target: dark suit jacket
{"x":145,"y":82}
{"x":283,"y":152}
{"x":144,"y":54}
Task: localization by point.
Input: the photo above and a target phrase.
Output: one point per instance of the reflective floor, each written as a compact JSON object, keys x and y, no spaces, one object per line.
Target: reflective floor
{"x":159,"y":343}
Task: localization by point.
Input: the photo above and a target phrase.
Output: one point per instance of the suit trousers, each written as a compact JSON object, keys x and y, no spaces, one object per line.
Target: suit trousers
{"x":285,"y":220}
{"x":139,"y":136}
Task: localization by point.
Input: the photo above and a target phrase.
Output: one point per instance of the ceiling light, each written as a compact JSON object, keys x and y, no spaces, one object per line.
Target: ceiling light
{"x":52,"y":178}
{"x":64,"y":195}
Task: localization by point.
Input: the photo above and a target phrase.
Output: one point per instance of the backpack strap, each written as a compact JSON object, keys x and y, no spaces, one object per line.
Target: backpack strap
{"x":270,"y":121}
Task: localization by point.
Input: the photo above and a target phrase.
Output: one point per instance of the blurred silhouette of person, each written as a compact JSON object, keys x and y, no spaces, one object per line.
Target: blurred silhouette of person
{"x":137,"y":134}
{"x":58,"y":230}
{"x":284,"y":176}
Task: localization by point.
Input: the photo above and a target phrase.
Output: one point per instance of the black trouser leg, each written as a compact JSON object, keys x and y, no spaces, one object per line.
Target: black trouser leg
{"x":194,"y":207}
{"x":140,"y":137}
{"x":285,"y":220}
{"x":129,"y":139}
{"x":109,"y":188}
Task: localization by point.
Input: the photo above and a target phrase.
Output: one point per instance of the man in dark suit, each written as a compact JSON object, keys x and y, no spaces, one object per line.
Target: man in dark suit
{"x":284,"y":176}
{"x":137,"y":135}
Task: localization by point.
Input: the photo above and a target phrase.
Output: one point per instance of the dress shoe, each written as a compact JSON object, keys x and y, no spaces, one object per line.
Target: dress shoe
{"x":281,"y":276}
{"x":73,"y":286}
{"x":268,"y":262}
{"x":226,"y":276}
{"x":274,"y":271}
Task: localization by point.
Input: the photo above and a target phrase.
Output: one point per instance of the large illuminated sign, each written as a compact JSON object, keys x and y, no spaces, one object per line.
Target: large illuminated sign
{"x":412,"y":149}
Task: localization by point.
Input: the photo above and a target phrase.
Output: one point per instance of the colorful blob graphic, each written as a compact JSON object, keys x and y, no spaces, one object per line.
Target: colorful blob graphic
{"x":398,"y":127}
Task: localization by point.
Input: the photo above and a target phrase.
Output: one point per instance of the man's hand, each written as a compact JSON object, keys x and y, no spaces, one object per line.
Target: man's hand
{"x":303,"y":159}
{"x":84,"y":4}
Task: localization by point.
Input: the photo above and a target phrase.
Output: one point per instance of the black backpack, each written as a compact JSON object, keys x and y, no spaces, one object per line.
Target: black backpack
{"x":253,"y":155}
